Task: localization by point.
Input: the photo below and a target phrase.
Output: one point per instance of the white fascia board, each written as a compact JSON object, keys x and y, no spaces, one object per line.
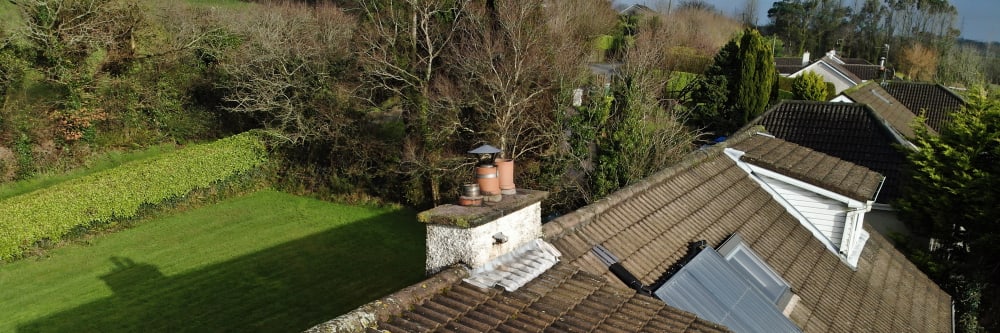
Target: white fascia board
{"x":735,"y":156}
{"x":854,"y":237}
{"x":808,"y":187}
{"x":839,"y":73}
{"x":842,"y":99}
{"x":829,"y":68}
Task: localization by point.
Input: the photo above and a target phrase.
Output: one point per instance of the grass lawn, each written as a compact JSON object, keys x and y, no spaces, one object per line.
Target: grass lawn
{"x":268,"y":261}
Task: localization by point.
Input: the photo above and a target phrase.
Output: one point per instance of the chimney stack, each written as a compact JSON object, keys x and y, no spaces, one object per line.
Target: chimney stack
{"x":805,"y":59}
{"x":476,"y":235}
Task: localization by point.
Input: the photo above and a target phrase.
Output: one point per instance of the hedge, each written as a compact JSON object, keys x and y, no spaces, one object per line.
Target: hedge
{"x":52,"y":212}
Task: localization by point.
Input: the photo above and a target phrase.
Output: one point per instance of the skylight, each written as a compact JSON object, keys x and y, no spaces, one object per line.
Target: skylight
{"x":711,"y":288}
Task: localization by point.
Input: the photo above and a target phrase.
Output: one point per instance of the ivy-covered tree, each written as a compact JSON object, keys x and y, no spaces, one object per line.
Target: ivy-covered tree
{"x":809,"y":87}
{"x":952,"y":197}
{"x":737,"y":86}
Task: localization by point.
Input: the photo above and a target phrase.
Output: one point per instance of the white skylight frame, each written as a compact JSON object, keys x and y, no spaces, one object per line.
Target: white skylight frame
{"x":756,"y":270}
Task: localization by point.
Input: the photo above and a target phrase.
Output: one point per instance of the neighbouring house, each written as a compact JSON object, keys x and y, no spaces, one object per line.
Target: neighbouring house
{"x":844,"y":73}
{"x":848,"y":131}
{"x":934,"y":101}
{"x":755,"y":234}
{"x":899,"y":118}
{"x":637,"y":10}
{"x":900,"y":102}
{"x":873,"y":135}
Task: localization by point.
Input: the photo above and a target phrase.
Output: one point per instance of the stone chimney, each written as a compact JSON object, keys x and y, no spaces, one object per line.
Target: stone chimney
{"x":476,"y":235}
{"x":805,"y":59}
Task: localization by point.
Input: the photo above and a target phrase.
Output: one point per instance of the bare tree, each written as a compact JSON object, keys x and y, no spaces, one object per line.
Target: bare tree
{"x":919,"y":62}
{"x":506,"y":54}
{"x":401,"y":45}
{"x":65,"y":32}
{"x":284,"y":67}
{"x":748,"y":14}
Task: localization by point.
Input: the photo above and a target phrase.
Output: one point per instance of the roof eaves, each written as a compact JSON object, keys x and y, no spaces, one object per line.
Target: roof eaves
{"x":393,"y":305}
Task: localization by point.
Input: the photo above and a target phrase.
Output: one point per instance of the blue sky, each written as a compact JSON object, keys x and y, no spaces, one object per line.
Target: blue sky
{"x":977,"y":18}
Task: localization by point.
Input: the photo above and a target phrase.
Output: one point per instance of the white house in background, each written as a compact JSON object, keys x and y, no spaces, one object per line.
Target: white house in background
{"x":832,"y":69}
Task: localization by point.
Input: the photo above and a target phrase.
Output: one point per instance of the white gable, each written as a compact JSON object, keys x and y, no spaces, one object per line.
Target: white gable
{"x":830,"y":74}
{"x":827,"y":215}
{"x":842,"y":99}
{"x":833,"y":219}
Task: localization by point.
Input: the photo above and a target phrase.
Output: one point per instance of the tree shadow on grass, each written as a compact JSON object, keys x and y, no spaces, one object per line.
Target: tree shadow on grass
{"x":289,"y":287}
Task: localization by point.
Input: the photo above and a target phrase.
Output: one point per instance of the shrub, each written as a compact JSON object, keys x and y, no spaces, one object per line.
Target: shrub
{"x":51,"y":213}
{"x":809,"y":87}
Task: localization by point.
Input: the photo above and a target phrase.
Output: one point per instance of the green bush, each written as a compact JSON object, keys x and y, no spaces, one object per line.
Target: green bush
{"x":810,"y":87}
{"x":53,"y":212}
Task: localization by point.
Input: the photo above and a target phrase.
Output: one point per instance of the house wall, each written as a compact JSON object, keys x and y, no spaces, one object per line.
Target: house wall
{"x":448,"y":245}
{"x":829,"y":75}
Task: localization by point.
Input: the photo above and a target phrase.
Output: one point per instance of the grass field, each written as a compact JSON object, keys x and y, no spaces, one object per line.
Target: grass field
{"x":265,"y":262}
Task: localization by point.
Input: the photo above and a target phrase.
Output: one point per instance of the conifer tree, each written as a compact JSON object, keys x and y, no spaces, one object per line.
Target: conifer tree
{"x":809,"y":87}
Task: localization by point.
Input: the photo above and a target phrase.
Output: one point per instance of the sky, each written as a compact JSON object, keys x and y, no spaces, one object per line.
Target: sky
{"x":976,"y":17}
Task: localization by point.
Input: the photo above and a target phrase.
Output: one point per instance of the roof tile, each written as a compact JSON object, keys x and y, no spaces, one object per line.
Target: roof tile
{"x":937,"y":101}
{"x":850,"y":132}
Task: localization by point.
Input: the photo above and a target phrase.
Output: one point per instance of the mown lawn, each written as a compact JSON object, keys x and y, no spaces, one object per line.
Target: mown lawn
{"x":266,"y":262}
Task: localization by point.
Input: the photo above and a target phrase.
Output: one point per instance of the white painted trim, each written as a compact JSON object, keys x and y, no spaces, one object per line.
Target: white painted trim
{"x":828,"y":66}
{"x":808,"y":187}
{"x":842,"y":99}
{"x":735,"y":156}
{"x":854,"y":237}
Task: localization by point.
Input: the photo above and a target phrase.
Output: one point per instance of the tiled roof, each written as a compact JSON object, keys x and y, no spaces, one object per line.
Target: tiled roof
{"x":889,"y":108}
{"x":564,"y":298}
{"x":937,"y":101}
{"x":788,"y":65}
{"x":854,"y":181}
{"x":854,"y":61}
{"x":850,"y":132}
{"x":708,"y":197}
{"x":866,"y":71}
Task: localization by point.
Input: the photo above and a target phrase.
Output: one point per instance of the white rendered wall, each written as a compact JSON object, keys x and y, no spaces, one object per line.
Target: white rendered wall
{"x":447,"y":245}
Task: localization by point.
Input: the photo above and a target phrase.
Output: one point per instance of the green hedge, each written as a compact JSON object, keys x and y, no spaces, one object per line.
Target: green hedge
{"x":52,"y":212}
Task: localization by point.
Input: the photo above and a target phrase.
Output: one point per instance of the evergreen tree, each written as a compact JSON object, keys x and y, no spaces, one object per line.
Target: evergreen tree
{"x":737,"y":86}
{"x":756,"y":77}
{"x":809,"y":87}
{"x":952,"y":197}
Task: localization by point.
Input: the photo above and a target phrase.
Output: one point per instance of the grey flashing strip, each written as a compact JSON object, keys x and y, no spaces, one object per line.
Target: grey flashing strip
{"x":604,"y":255}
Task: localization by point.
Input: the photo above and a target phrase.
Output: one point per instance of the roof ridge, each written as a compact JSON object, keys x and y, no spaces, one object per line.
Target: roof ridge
{"x":565,"y":224}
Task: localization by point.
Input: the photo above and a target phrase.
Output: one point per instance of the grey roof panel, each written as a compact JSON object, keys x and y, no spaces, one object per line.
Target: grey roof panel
{"x":708,"y":287}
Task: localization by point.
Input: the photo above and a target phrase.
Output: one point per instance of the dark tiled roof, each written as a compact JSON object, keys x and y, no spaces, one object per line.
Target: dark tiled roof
{"x":708,"y":197}
{"x":850,"y":132}
{"x":937,"y":101}
{"x":788,"y":65}
{"x":886,"y":106}
{"x":564,"y":298}
{"x":866,"y":71}
{"x":854,"y":61}
{"x":851,"y":180}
